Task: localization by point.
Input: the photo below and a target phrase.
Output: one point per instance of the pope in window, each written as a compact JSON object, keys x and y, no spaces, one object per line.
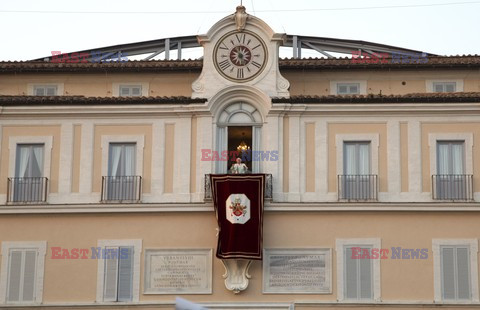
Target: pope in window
{"x":239,"y":167}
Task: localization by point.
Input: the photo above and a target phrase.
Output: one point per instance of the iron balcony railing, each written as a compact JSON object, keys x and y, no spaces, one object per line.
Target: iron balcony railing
{"x":358,"y":187}
{"x":268,"y":193}
{"x":121,"y":188}
{"x":27,"y":190}
{"x":452,"y":187}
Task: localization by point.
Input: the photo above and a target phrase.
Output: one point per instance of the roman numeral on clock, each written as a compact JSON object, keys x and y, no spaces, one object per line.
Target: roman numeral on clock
{"x":256,"y":64}
{"x":240,"y":73}
{"x":224,"y":64}
{"x":240,"y":39}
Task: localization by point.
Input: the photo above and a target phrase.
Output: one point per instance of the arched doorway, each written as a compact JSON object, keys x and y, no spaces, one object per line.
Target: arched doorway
{"x":239,"y":128}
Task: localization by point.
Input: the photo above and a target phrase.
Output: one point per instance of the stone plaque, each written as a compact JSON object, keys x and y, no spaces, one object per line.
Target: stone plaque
{"x":297,"y":271}
{"x":178,"y":271}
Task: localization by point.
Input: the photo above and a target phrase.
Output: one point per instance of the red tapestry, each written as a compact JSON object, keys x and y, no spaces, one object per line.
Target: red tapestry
{"x":238,"y":201}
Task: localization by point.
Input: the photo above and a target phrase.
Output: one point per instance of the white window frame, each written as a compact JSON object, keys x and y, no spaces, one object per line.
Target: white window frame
{"x":340,"y":246}
{"x":362,"y":86}
{"x":437,"y":268}
{"x":143,"y":85}
{"x":139,"y":141}
{"x":47,"y":141}
{"x":458,"y":87}
{"x":137,"y":248}
{"x":31,"y":88}
{"x":467,"y":137}
{"x":340,"y":140}
{"x":41,"y":248}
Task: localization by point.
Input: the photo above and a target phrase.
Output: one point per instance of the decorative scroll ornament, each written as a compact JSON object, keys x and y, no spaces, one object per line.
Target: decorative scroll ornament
{"x":236,"y":274}
{"x":241,"y":17}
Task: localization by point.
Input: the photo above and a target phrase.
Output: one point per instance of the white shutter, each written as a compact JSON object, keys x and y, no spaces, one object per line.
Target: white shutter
{"x":14,"y":275}
{"x":111,"y":274}
{"x":136,"y":91}
{"x":351,"y":275}
{"x":448,"y":272}
{"x":39,"y":91}
{"x":365,"y":278}
{"x":125,"y":274}
{"x":51,"y":91}
{"x":29,"y":275}
{"x":463,"y":273}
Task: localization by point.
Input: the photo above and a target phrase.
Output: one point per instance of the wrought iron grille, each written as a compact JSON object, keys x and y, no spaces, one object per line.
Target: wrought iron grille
{"x":358,"y":187}
{"x":25,"y":190}
{"x":121,"y":188}
{"x":452,"y":187}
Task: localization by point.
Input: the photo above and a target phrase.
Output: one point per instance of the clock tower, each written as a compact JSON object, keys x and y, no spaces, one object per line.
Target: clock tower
{"x":240,"y":50}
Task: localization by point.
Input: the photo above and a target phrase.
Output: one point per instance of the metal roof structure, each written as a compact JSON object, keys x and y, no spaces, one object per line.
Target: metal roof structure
{"x":153,"y":48}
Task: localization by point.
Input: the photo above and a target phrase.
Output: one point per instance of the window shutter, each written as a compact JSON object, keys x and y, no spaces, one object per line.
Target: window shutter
{"x":351,"y":275}
{"x":14,"y":276}
{"x":365,"y":278}
{"x":463,"y":273}
{"x":136,"y":91}
{"x":40,"y":91}
{"x":51,"y":91}
{"x":110,"y":285}
{"x":125,"y":274}
{"x":450,"y":87}
{"x":448,"y":273}
{"x":29,"y":275}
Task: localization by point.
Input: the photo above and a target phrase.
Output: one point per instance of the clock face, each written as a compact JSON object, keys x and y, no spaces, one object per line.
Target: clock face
{"x":240,"y":56}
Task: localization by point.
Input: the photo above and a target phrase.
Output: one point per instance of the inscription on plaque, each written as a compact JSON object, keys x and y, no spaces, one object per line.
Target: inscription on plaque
{"x":178,"y":271}
{"x":297,"y":271}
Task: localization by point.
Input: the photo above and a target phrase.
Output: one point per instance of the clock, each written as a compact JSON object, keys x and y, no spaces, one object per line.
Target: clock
{"x":240,"y":56}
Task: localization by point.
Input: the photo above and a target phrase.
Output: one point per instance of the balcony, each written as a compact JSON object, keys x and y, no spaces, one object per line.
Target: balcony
{"x":121,"y":188}
{"x":452,"y":187}
{"x":27,"y":190}
{"x":268,"y":192}
{"x":359,"y":187}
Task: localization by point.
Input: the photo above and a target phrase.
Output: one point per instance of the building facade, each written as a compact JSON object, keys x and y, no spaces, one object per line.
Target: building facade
{"x":372,"y":195}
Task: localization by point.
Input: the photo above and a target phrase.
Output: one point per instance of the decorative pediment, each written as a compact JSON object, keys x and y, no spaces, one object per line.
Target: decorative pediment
{"x":240,"y":49}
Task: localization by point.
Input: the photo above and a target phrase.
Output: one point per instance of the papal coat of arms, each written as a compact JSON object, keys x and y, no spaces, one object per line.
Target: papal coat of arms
{"x":238,"y":208}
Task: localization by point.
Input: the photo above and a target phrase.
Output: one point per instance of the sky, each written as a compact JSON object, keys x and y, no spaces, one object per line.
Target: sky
{"x":33,"y":29}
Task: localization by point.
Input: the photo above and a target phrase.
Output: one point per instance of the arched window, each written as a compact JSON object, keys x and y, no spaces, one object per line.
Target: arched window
{"x":238,"y":124}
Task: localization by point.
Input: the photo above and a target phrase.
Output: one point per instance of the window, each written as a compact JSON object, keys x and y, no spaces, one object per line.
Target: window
{"x":450,"y":157}
{"x":444,"y":87}
{"x":348,"y":88}
{"x":29,"y":185}
{"x":456,"y":277}
{"x":454,"y":261}
{"x":118,"y":274}
{"x":118,"y":270}
{"x":30,"y":169}
{"x":357,"y":158}
{"x":130,"y":90}
{"x":357,"y":182}
{"x":451,"y":166}
{"x":45,"y":90}
{"x":122,"y":159}
{"x":22,"y":271}
{"x":121,"y":182}
{"x":358,"y":277}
